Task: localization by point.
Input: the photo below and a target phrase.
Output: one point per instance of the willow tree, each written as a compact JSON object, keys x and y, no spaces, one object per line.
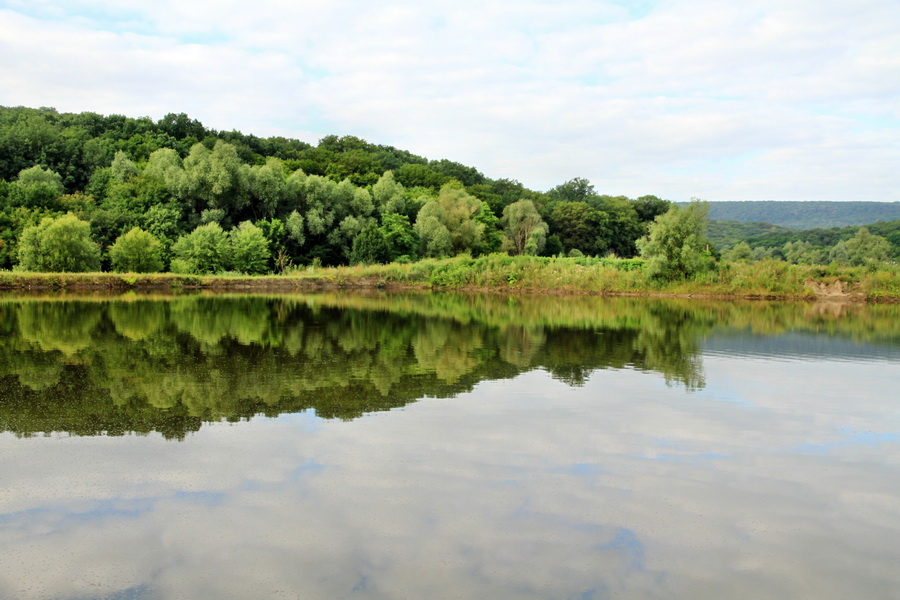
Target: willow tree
{"x":526,"y":232}
{"x":675,"y":246}
{"x":63,"y":245}
{"x":447,"y":225}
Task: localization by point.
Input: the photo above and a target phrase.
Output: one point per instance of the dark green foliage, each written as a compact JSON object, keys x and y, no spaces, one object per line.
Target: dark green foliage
{"x":399,"y":237}
{"x":579,"y":226}
{"x":369,"y":247}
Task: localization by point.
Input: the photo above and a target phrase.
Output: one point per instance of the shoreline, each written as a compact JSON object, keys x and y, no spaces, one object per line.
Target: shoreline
{"x":168,"y":283}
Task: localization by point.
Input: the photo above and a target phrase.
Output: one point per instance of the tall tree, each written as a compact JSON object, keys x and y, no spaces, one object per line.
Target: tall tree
{"x":676,"y":245}
{"x":525,"y":230}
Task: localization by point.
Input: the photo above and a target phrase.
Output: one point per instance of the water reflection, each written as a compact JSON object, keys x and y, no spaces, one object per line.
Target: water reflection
{"x":574,"y":448}
{"x":138,"y":365}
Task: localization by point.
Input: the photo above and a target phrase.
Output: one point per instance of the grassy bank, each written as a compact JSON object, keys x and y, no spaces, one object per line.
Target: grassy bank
{"x":586,"y":275}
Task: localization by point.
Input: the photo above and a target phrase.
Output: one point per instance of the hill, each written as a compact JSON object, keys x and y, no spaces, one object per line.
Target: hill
{"x":805,"y":215}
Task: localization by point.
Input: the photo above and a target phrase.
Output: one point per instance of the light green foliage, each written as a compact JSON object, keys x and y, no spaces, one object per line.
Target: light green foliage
{"x":739,"y":253}
{"x":448,"y":225}
{"x":267,"y":187}
{"x":675,"y":246}
{"x":215,"y":178}
{"x":434,"y":236}
{"x":212,"y":215}
{"x":63,"y":244}
{"x":803,"y":253}
{"x":205,"y":250}
{"x":162,"y":222}
{"x":864,"y":248}
{"x":525,"y":230}
{"x":250,"y":249}
{"x":136,"y":252}
{"x":294,"y":227}
{"x":122,"y":167}
{"x":164,"y":166}
{"x":38,"y":176}
{"x":388,"y":195}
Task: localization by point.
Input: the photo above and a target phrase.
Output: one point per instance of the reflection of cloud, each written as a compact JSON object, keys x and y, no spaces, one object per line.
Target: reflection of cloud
{"x":521,"y":489}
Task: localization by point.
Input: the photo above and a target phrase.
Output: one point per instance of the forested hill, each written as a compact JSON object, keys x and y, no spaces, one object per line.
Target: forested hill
{"x":805,"y":215}
{"x":174,"y":188}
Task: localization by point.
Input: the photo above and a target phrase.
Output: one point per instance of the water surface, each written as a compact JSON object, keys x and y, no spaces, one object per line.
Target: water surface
{"x":447,"y":446}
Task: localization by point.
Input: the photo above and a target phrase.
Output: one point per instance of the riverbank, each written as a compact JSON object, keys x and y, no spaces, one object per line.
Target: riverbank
{"x":586,"y":275}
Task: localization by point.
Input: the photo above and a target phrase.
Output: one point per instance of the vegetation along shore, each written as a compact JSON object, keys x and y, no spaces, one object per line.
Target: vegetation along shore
{"x":89,"y":201}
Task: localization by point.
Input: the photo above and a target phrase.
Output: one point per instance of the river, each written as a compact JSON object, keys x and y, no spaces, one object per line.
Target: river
{"x":447,"y":446}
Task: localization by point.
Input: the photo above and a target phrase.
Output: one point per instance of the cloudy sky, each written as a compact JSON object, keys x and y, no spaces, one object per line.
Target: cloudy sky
{"x":757,"y":100}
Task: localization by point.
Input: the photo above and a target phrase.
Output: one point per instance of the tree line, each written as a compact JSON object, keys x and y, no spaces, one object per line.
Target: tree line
{"x":88,"y":192}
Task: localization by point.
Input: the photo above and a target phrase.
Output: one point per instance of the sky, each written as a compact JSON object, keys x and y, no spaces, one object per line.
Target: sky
{"x":757,"y":100}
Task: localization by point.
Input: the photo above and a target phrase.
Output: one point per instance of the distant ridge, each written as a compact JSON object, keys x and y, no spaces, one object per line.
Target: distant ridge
{"x":805,"y":215}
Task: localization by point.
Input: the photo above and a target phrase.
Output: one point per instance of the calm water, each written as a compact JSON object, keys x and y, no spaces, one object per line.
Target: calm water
{"x":442,"y":446}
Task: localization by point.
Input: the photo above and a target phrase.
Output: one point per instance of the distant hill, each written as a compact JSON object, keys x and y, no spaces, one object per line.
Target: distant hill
{"x":728,"y":233}
{"x":805,"y":215}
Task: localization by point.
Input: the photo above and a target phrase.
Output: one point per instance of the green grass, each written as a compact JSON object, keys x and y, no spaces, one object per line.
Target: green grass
{"x":590,"y":275}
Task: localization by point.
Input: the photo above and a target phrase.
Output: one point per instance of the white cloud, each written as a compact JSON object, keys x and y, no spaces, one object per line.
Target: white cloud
{"x":629,"y":97}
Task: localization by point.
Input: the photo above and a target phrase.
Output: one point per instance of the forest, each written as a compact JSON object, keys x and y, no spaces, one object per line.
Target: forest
{"x":141,"y":195}
{"x":87,"y":192}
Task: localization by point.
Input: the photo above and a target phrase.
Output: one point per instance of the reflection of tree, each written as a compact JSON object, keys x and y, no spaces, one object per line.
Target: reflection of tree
{"x":63,"y":327}
{"x":151,"y":365}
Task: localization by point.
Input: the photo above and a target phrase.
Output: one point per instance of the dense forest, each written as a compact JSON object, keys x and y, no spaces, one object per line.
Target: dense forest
{"x":90,"y":192}
{"x":136,"y":194}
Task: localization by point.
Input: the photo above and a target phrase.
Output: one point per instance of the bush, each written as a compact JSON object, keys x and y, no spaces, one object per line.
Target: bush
{"x":61,"y":245}
{"x":205,"y":250}
{"x":136,"y":252}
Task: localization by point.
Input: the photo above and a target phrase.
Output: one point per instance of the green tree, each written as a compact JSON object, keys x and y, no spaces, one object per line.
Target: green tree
{"x":369,"y":247}
{"x":388,"y":195}
{"x":676,"y":245}
{"x":62,"y":244}
{"x":448,"y":225}
{"x":122,"y":167}
{"x":579,"y":226}
{"x":136,"y":252}
{"x":740,"y":252}
{"x":525,"y":230}
{"x":866,"y":248}
{"x":578,"y":189}
{"x":37,"y":188}
{"x":207,"y":249}
{"x":249,"y":249}
{"x":650,"y":207}
{"x":399,"y":237}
